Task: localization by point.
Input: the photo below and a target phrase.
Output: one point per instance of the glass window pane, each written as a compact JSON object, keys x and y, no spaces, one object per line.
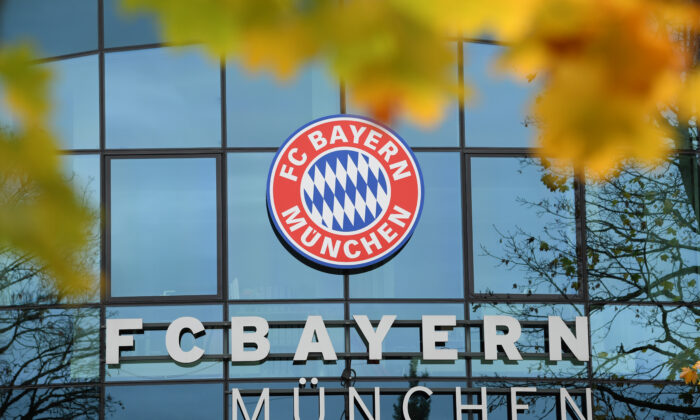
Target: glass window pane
{"x":435,"y":250}
{"x":74,"y":93}
{"x":48,"y":346}
{"x":523,"y":227}
{"x":643,"y":233}
{"x":124,"y":28}
{"x":9,"y":123}
{"x":657,"y":401}
{"x":643,"y":342}
{"x":443,"y":133}
{"x":152,"y":343}
{"x":497,"y":115}
{"x":78,"y":403}
{"x":181,"y":401}
{"x":56,"y":27}
{"x":162,"y":97}
{"x":532,"y":340}
{"x":281,"y":406}
{"x":541,"y":406}
{"x":23,"y":280}
{"x":407,"y":339}
{"x":83,"y":171}
{"x":263,"y":111}
{"x":289,"y":311}
{"x":163,"y":227}
{"x":284,"y":339}
{"x":438,"y":406}
{"x":76,"y":116}
{"x":259,"y":266}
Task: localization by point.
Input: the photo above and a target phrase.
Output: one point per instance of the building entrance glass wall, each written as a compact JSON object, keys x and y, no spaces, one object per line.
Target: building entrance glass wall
{"x":176,"y":148}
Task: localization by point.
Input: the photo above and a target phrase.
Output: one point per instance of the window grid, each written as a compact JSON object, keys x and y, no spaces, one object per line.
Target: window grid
{"x":221,"y":153}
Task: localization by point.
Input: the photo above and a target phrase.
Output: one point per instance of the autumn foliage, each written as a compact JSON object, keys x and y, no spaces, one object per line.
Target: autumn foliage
{"x":608,"y":67}
{"x":40,"y":215}
{"x":610,"y":71}
{"x":690,"y":374}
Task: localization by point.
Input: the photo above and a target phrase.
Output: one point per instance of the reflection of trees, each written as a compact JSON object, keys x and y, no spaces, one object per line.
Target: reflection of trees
{"x":419,"y":405}
{"x":42,"y":345}
{"x":643,"y":238}
{"x":22,"y":280}
{"x":642,"y":245}
{"x":541,"y":405}
{"x":51,"y":403}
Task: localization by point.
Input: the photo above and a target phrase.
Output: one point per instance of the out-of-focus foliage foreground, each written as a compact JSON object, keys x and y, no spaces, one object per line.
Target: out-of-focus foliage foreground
{"x":610,"y":69}
{"x":607,"y":66}
{"x":41,"y":217}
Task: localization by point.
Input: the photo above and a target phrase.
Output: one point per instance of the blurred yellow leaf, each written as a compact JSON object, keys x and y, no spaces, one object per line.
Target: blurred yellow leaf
{"x":391,"y":58}
{"x":689,"y":375}
{"x":607,"y":66}
{"x":40,"y":214}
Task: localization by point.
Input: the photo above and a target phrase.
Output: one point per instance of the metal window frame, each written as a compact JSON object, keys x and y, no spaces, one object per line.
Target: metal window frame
{"x":108,"y":298}
{"x":466,"y":153}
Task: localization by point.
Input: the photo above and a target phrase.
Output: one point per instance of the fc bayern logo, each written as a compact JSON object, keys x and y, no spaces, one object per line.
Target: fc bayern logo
{"x":345,"y":192}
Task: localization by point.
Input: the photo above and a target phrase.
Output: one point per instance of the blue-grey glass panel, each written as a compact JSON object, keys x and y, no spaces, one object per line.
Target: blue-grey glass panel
{"x":645,"y":401}
{"x":162,"y":97}
{"x":83,"y":172}
{"x":259,"y":266}
{"x":55,"y":27}
{"x":152,"y":343}
{"x":405,"y":383}
{"x":75,"y":94}
{"x":407,"y":339}
{"x":79,"y":403}
{"x":541,"y":406}
{"x":288,"y":369}
{"x":163,"y":227}
{"x":281,"y":406}
{"x":289,"y":311}
{"x":643,"y":342}
{"x":49,"y":346}
{"x":430,"y":265}
{"x":177,"y":401}
{"x":9,"y":123}
{"x":440,"y":134}
{"x":643,"y":233}
{"x":532,"y":340}
{"x":285,"y":339}
{"x":439,"y":406}
{"x":406,"y":311}
{"x":444,"y":132}
{"x":278,"y":383}
{"x":497,"y":115}
{"x":23,"y":281}
{"x":124,"y":28}
{"x":523,"y":227}
{"x":264,"y":111}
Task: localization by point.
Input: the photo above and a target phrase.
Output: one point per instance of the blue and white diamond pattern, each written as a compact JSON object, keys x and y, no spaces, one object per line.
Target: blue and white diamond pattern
{"x":345,"y":190}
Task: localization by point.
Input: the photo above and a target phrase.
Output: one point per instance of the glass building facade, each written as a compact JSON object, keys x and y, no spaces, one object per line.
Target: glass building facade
{"x":175,"y":148}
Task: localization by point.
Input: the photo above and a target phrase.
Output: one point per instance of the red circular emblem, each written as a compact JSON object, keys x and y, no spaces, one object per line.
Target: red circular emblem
{"x":345,"y":192}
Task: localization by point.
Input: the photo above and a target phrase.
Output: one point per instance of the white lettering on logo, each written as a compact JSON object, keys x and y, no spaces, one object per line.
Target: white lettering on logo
{"x":292,"y":213}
